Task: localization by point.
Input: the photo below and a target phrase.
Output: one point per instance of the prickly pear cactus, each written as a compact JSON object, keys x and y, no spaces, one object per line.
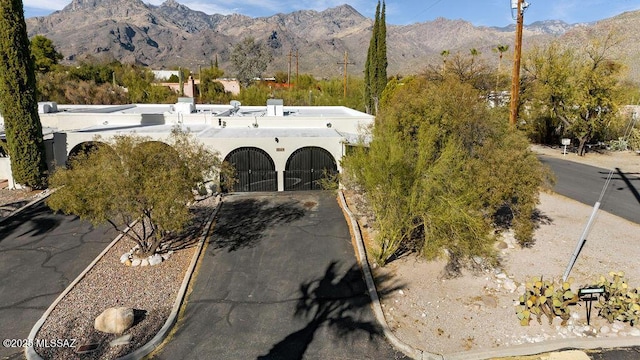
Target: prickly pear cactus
{"x":545,"y":298}
{"x":619,"y":301}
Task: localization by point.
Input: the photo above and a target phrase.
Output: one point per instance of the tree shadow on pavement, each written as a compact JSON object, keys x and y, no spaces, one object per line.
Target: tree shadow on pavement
{"x":190,"y":235}
{"x":241,"y":223}
{"x":336,"y":299}
{"x":37,"y":220}
{"x":627,"y":178}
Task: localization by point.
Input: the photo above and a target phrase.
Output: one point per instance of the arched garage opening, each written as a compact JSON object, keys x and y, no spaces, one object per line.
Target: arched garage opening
{"x":83,"y":149}
{"x":255,"y":169}
{"x":156,"y":155}
{"x":307,"y":166}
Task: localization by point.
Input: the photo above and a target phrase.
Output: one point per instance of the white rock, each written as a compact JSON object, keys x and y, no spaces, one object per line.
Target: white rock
{"x":575,"y":315}
{"x":617,"y":326}
{"x":400,"y":292}
{"x":155,"y":259}
{"x":114,"y":320}
{"x":510,"y":285}
{"x":124,"y":257}
{"x":165,"y":256}
{"x":634,"y":331}
{"x":605,"y":330}
{"x":122,"y":340}
{"x":144,"y":262}
{"x":136,"y":262}
{"x":501,"y":276}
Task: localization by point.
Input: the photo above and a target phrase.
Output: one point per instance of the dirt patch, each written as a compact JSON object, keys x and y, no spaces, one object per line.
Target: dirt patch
{"x":476,"y":311}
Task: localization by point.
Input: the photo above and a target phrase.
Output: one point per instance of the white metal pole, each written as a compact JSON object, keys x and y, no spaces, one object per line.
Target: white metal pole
{"x":581,"y":241}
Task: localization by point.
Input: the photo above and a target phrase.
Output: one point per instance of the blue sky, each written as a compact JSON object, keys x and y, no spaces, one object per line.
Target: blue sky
{"x":400,"y":12}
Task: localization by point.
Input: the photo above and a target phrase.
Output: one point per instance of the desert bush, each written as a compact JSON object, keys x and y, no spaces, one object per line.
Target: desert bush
{"x":439,"y":167}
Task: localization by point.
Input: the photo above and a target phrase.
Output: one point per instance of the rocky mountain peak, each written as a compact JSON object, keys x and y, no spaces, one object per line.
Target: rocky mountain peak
{"x":344,"y":10}
{"x":173,"y":4}
{"x":90,"y":5}
{"x":171,"y":34}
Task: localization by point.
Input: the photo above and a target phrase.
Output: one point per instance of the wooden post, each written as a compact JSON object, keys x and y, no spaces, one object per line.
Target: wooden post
{"x":515,"y":76}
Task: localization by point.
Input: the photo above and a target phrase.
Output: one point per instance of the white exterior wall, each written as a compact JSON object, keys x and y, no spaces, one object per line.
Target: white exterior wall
{"x":280,"y":151}
{"x":6,"y":173}
{"x":298,"y":127}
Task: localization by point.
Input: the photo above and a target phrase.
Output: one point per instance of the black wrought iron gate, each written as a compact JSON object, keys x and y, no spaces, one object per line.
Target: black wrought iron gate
{"x":255,"y":170}
{"x":307,"y":166}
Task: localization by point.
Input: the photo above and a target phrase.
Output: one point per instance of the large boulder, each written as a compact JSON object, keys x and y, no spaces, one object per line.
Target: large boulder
{"x":114,"y":320}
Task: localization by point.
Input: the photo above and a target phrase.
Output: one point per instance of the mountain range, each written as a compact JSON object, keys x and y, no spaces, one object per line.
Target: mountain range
{"x":171,"y":35}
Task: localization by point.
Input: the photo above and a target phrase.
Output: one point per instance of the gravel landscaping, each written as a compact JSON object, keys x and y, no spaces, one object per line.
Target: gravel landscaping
{"x":150,"y":290}
{"x":476,"y":311}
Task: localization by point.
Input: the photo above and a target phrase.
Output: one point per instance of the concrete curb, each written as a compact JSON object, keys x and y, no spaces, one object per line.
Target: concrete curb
{"x":147,"y":348}
{"x":515,"y":350}
{"x":547,"y":346}
{"x":30,"y":352}
{"x":373,"y":293}
{"x":41,"y":197}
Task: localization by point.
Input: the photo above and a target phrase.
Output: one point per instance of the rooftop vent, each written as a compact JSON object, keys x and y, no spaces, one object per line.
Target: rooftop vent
{"x":47,"y":107}
{"x":185,"y":105}
{"x":275,"y":107}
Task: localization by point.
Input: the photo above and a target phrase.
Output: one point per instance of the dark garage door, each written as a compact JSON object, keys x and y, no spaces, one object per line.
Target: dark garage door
{"x":306,"y":166}
{"x":255,"y":170}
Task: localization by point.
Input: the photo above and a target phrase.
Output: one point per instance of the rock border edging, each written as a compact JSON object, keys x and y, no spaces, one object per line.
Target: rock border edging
{"x":515,"y":350}
{"x":29,"y":352}
{"x":150,"y":346}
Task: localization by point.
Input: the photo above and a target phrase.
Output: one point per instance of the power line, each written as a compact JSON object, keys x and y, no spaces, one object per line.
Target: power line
{"x":428,"y":8}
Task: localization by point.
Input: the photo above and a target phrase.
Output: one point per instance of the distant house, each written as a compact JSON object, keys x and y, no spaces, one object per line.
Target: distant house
{"x":272,"y":147}
{"x":191,"y":86}
{"x":165,"y":74}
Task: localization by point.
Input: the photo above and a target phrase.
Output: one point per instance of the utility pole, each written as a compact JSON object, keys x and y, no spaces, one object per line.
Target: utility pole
{"x":346,"y":62}
{"x":289,"y":73}
{"x":289,"y":69}
{"x":520,"y":7}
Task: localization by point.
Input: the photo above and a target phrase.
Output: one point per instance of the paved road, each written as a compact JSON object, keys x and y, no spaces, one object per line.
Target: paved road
{"x":584,"y":183}
{"x":40,"y":254}
{"x":632,"y":353}
{"x":279,"y":280}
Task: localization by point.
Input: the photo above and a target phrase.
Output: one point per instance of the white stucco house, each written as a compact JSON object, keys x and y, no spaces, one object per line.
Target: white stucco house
{"x":273,"y":147}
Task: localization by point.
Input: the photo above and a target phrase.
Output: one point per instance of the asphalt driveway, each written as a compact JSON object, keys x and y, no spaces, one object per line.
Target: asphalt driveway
{"x":279,"y":280}
{"x":41,"y":253}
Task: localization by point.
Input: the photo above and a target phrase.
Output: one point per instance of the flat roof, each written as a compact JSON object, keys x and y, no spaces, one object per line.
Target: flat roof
{"x":218,"y":110}
{"x":209,"y":131}
{"x":227,"y":133}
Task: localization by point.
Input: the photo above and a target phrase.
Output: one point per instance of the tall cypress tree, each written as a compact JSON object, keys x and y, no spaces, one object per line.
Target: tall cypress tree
{"x":381,"y":52}
{"x":375,"y":73}
{"x":18,"y":102}
{"x":370,"y":72}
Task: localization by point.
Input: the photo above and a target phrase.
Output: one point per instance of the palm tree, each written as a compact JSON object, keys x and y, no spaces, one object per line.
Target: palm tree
{"x":444,"y":54}
{"x":500,"y":49}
